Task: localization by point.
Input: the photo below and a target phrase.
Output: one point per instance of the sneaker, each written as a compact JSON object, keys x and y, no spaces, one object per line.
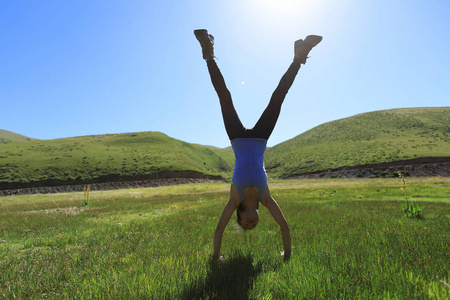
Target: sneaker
{"x":206,"y":41}
{"x":302,"y":47}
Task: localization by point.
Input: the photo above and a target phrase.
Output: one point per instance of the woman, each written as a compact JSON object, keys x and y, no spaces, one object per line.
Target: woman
{"x":249,"y":183}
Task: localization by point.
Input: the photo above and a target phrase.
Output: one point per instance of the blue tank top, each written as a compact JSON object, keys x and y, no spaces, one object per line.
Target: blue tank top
{"x":249,"y":165}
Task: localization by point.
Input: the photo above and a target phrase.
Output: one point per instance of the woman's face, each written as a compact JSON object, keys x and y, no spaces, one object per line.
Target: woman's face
{"x":249,"y":218}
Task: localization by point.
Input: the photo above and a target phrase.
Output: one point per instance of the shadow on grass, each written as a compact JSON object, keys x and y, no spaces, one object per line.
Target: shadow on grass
{"x":229,"y":279}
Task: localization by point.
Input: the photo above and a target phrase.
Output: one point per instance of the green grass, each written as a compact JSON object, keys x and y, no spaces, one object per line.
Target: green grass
{"x":350,"y":239}
{"x":369,"y":138}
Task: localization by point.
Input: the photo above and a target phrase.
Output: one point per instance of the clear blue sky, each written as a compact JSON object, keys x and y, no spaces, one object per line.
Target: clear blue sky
{"x":72,"y":68}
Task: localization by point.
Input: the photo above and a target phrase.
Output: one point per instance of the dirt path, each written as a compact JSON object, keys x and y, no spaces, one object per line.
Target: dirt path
{"x":109,"y":183}
{"x":421,"y":167}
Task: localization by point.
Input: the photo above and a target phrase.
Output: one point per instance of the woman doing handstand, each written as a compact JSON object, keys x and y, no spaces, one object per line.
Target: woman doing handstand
{"x":249,"y":183}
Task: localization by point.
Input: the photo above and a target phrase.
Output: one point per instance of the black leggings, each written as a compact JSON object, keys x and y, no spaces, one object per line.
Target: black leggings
{"x":268,"y":119}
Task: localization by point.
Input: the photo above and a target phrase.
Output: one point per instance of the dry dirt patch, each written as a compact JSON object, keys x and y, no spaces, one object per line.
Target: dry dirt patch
{"x":64,"y":211}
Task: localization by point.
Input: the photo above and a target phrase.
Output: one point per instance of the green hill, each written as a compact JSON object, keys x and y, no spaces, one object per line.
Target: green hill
{"x":8,"y":136}
{"x":369,"y":138}
{"x":91,"y":157}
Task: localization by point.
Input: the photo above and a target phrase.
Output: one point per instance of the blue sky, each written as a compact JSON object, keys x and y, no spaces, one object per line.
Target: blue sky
{"x":73,"y":68}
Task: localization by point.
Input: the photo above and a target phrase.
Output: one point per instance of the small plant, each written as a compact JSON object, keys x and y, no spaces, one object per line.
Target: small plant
{"x":411,"y":209}
{"x":86,"y":196}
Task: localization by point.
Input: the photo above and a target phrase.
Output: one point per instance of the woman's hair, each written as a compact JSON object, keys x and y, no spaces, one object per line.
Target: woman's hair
{"x":238,"y":211}
{"x":251,"y":191}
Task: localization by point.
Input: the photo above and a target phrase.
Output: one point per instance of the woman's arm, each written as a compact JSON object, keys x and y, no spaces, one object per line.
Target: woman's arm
{"x":277,"y":214}
{"x":224,"y":219}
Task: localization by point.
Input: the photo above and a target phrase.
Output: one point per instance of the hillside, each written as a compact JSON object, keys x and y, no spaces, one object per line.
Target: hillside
{"x":380,"y":139}
{"x":369,"y":138}
{"x":137,"y":156}
{"x":8,"y":136}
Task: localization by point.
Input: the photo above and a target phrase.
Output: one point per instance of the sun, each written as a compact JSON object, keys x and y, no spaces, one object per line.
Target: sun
{"x":280,"y":15}
{"x":281,"y":6}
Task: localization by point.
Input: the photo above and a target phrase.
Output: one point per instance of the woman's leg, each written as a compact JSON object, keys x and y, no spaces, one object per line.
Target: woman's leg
{"x":233,"y":125}
{"x":266,"y":123}
{"x":268,"y":119}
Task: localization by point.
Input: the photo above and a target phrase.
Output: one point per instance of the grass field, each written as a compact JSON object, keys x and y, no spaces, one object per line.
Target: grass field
{"x":350,"y":240}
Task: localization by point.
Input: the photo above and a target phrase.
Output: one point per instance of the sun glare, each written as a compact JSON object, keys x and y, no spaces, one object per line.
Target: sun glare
{"x":285,"y":15}
{"x":281,"y":6}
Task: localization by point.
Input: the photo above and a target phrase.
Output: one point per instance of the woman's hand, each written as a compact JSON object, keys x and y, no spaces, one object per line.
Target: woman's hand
{"x":278,"y":216}
{"x":286,"y":255}
{"x":218,"y":258}
{"x":232,"y":204}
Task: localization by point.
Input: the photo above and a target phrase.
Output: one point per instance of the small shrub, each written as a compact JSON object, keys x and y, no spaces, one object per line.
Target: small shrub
{"x":86,"y":196}
{"x":411,"y":209}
